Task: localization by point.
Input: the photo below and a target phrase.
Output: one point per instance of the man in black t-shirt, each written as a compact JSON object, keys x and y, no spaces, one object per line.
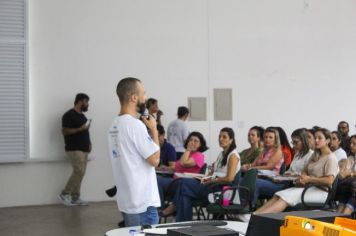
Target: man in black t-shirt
{"x":75,"y":129}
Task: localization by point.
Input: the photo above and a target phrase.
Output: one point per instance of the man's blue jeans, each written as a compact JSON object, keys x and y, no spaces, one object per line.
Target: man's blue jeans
{"x":149,"y":217}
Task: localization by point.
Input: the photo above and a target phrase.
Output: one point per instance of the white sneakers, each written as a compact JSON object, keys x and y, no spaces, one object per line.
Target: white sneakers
{"x":67,"y":200}
{"x":80,"y":202}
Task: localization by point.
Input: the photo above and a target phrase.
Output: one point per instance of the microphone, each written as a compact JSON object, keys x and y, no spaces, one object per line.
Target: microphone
{"x":146,"y":114}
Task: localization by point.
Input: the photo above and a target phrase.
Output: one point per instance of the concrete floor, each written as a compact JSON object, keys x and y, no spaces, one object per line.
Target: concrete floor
{"x":59,"y":220}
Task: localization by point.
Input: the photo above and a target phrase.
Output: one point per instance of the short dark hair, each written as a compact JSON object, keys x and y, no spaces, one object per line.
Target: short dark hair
{"x":80,"y":97}
{"x":160,"y":129}
{"x":150,"y":102}
{"x":343,"y":122}
{"x":201,"y":138}
{"x":125,"y":88}
{"x":182,"y":111}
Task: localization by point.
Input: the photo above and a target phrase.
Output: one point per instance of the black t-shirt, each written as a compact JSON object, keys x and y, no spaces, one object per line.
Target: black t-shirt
{"x":78,"y":141}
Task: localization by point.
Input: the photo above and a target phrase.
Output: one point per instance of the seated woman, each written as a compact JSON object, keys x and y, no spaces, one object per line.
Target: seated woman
{"x":335,"y":146}
{"x":285,"y":146}
{"x":302,"y":153}
{"x":255,"y":136}
{"x":224,"y":170}
{"x":271,"y":157}
{"x":191,"y":161}
{"x":322,"y":168}
{"x":346,"y":191}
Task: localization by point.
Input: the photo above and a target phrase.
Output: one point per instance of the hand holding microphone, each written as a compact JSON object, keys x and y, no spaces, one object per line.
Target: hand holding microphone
{"x":149,"y":121}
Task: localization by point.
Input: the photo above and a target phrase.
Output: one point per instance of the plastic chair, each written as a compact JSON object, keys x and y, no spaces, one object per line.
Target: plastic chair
{"x":329,"y":203}
{"x":245,"y":192}
{"x":168,"y":198}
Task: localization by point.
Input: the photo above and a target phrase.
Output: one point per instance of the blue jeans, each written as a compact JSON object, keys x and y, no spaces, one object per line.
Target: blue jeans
{"x":267,"y":188}
{"x":149,"y":217}
{"x":163,"y":184}
{"x":187,"y":191}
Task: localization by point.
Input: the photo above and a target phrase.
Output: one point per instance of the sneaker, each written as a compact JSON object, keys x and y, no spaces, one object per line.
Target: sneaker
{"x":79,"y":202}
{"x":66,"y":199}
{"x":243,"y":217}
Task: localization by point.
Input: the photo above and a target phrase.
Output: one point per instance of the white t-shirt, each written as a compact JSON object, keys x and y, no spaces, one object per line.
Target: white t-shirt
{"x":340,"y":154}
{"x":298,"y":164}
{"x":221,"y":171}
{"x":177,"y":133}
{"x":129,"y":147}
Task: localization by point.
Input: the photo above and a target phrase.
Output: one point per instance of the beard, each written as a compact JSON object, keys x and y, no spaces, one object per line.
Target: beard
{"x":141,"y":107}
{"x":84,"y":108}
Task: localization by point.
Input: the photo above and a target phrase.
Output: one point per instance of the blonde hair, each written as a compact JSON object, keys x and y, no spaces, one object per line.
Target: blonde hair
{"x":277,"y":141}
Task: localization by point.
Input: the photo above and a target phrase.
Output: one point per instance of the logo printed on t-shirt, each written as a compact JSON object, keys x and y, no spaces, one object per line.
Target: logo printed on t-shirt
{"x":115,"y":154}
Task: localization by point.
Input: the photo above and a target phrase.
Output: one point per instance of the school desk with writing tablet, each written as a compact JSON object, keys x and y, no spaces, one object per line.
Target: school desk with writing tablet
{"x":129,"y":231}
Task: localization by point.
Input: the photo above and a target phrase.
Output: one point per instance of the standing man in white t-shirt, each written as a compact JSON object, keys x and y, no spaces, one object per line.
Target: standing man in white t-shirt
{"x":177,"y":131}
{"x":134,"y":155}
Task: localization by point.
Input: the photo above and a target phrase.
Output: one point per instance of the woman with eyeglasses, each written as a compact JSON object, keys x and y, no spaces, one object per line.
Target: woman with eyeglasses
{"x":302,"y":153}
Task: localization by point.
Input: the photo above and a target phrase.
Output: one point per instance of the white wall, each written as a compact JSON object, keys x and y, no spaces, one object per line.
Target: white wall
{"x":289,"y":63}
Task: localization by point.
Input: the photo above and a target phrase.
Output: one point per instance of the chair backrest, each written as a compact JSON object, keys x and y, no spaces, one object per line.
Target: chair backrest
{"x":203,"y":169}
{"x":332,"y":194}
{"x":283,"y":168}
{"x":249,"y":180}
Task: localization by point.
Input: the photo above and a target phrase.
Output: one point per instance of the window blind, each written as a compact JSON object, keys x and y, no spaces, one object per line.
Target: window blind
{"x":13,"y":81}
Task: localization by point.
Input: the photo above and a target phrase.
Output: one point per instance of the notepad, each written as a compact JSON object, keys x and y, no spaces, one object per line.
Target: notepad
{"x":266,"y":173}
{"x":189,"y":175}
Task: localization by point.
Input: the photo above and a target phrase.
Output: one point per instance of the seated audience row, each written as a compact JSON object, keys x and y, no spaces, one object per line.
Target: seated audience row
{"x":313,"y":159}
{"x":322,"y":168}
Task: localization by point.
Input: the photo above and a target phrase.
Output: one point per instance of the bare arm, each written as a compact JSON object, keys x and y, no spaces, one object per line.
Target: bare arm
{"x":186,"y":160}
{"x":272,"y":162}
{"x":172,"y":165}
{"x":154,"y":159}
{"x":325,"y":180}
{"x":70,"y":131}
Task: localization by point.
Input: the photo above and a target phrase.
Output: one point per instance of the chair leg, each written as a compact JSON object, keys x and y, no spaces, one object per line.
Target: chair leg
{"x":202,"y":213}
